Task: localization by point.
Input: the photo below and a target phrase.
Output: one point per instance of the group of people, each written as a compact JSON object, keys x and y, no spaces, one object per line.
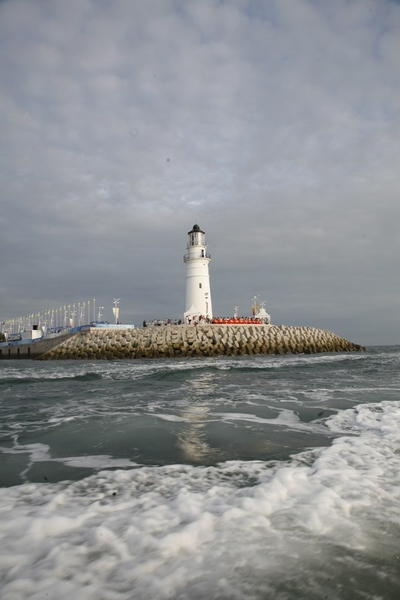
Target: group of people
{"x":202,"y":320}
{"x":197,"y":320}
{"x":237,"y":321}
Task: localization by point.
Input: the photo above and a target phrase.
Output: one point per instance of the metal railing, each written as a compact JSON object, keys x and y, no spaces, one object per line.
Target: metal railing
{"x":190,"y":255}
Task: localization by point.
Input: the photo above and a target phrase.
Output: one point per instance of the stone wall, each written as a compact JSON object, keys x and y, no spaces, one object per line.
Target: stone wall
{"x":200,"y":340}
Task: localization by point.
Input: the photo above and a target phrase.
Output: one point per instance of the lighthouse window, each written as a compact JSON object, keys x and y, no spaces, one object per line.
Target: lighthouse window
{"x":200,"y":285}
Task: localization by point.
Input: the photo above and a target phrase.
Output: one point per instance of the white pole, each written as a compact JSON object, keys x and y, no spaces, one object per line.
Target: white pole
{"x":116,"y":311}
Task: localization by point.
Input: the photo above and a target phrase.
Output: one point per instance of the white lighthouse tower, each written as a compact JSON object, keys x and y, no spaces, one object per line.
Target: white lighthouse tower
{"x":198,"y":293}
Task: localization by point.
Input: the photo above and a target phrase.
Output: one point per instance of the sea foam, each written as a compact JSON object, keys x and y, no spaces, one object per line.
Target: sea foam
{"x":239,"y":529}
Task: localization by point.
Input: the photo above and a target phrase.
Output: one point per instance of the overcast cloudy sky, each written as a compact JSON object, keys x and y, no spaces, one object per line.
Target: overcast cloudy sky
{"x":273,"y":124}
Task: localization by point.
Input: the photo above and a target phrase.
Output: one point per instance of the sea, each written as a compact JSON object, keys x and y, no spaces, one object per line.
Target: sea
{"x":224,"y":478}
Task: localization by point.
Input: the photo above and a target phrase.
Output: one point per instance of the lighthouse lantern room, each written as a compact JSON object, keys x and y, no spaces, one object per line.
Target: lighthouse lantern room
{"x":198,"y":293}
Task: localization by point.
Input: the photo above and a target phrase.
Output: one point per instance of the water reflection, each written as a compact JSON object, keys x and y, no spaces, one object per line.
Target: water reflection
{"x":192,"y":438}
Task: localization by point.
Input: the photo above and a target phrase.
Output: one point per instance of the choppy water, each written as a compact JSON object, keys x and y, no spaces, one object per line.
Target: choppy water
{"x":224,"y":478}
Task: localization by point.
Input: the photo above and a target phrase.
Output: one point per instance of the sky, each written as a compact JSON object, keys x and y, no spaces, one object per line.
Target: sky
{"x":273,"y":124}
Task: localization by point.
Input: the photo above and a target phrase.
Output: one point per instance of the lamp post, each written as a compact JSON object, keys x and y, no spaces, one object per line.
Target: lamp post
{"x":81,"y":313}
{"x":116,"y":309}
{"x":255,"y":305}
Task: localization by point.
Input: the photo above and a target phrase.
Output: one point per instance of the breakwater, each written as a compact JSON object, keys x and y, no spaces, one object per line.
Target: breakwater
{"x":201,"y":340}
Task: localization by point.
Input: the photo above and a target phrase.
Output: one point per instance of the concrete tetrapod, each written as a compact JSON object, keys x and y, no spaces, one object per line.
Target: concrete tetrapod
{"x":200,"y":340}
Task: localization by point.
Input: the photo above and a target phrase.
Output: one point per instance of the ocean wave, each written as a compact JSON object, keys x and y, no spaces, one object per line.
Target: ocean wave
{"x":239,"y":529}
{"x":43,"y":378}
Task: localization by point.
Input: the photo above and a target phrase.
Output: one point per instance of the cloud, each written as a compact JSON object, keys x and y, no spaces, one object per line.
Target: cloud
{"x":272,"y":124}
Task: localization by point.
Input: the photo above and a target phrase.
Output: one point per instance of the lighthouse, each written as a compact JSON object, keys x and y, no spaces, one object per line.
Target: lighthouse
{"x":198,"y":293}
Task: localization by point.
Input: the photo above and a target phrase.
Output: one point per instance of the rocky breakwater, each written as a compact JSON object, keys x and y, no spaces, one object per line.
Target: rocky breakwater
{"x":201,"y":340}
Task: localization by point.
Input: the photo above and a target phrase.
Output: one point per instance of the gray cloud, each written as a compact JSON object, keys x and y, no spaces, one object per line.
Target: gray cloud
{"x":272,"y":124}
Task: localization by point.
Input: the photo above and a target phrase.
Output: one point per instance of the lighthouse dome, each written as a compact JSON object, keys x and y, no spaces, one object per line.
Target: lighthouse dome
{"x":196,"y":229}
